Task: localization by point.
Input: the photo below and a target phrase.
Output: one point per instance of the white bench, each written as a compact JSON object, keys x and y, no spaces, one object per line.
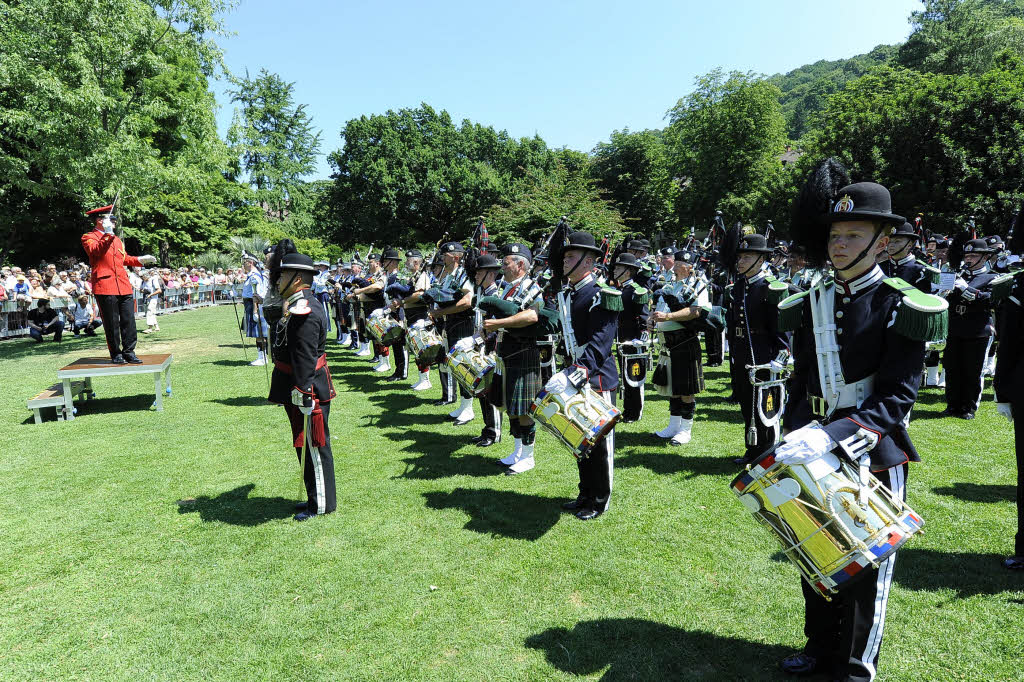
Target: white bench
{"x":54,"y":397}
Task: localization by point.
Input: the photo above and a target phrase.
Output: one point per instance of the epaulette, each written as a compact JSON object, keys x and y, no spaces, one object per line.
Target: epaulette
{"x":1001,"y":287}
{"x":611,"y":299}
{"x":921,"y":316}
{"x":300,"y":307}
{"x":791,"y":311}
{"x":932,"y":274}
{"x":641,"y":296}
{"x":777,"y":290}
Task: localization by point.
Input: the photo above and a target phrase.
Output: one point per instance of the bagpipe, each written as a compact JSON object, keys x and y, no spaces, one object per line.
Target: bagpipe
{"x":710,"y":321}
{"x":468,"y":361}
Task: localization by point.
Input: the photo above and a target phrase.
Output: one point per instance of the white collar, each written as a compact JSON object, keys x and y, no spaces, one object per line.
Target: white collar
{"x":861,"y":282}
{"x":583,"y":282}
{"x":756,"y":278}
{"x":982,"y":270}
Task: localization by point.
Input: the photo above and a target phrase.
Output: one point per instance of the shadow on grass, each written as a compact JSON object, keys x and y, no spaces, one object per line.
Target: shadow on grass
{"x":433,"y":465}
{"x":669,"y":461}
{"x":975,"y":492}
{"x":436,"y":445}
{"x":968,"y":573}
{"x":635,"y":649}
{"x":229,"y":363}
{"x":26,"y":346}
{"x":235,"y":507}
{"x":499,"y":512}
{"x":243,"y":401}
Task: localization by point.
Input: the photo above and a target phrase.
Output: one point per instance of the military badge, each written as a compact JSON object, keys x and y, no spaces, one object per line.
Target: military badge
{"x":844,"y":205}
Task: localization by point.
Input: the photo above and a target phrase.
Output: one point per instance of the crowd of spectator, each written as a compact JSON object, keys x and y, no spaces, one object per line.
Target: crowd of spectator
{"x":68,"y":297}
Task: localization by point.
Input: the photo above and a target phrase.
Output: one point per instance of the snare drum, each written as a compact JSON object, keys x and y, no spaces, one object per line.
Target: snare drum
{"x":829,"y":526}
{"x":383,"y":328}
{"x":425,"y":344}
{"x":579,"y":419}
{"x":473,"y":369}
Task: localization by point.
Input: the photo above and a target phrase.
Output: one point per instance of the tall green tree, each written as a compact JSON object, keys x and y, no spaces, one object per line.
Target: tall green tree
{"x":962,"y":36}
{"x":633,"y":168}
{"x":947,"y":146}
{"x":725,"y":141}
{"x":409,"y":176}
{"x":274,"y":139}
{"x":102,"y":96}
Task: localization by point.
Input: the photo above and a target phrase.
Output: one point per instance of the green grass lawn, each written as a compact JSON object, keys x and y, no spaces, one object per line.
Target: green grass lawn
{"x":144,"y":545}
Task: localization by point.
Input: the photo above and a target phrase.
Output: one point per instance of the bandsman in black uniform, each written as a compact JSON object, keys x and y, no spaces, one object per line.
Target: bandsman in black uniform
{"x":589,"y":316}
{"x":487,"y":270}
{"x":455,"y":314}
{"x":391,"y":259}
{"x":679,"y":306}
{"x":1008,"y":383}
{"x":302,"y":382}
{"x":751,"y":314}
{"x":633,"y":337}
{"x":971,"y":327}
{"x":873,"y":330}
{"x":414,"y":307}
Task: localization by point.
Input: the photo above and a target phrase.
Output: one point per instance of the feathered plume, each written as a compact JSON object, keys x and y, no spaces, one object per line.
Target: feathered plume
{"x":556,"y":249}
{"x":812,"y":206}
{"x":955,"y":255}
{"x":730,"y":243}
{"x":283,"y":248}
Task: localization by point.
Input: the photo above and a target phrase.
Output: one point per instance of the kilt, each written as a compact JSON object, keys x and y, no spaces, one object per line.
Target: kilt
{"x":520,"y":380}
{"x":255,"y":325}
{"x":679,"y":370}
{"x":457,"y":327}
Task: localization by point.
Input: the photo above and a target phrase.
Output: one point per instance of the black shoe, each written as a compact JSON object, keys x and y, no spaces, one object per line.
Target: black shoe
{"x":574,"y":505}
{"x":588,"y":513}
{"x":461,"y":422}
{"x":132,"y":358}
{"x":484,"y":442}
{"x":392,"y":379}
{"x":949,"y":412}
{"x":1014,"y":563}
{"x":118,"y":359}
{"x":441,"y":401}
{"x":799,"y":664}
{"x":303,"y":516}
{"x":743,"y":461}
{"x":301,"y":506}
{"x":966,"y":415}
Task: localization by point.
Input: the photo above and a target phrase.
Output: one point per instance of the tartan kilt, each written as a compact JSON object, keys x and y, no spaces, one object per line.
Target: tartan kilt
{"x":255,"y":325}
{"x":519,"y":382}
{"x":679,"y":370}
{"x":457,"y":327}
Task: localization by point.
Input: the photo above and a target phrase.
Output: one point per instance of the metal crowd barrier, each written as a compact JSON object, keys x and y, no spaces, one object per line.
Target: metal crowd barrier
{"x":13,"y":316}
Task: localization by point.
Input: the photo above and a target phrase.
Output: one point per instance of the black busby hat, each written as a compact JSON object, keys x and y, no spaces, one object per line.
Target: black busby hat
{"x":269,"y":250}
{"x":487,"y":262}
{"x":626,"y":259}
{"x":866,"y":201}
{"x":906,"y":230}
{"x":753,"y":242}
{"x":582,"y":241}
{"x":297,"y":261}
{"x":517,"y":249}
{"x":977,"y":246}
{"x":453,"y":247}
{"x":391,"y":254}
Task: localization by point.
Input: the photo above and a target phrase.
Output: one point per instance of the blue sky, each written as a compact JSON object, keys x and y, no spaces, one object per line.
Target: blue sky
{"x":571,"y":71}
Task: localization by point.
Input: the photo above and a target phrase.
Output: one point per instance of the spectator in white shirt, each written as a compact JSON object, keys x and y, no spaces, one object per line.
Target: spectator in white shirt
{"x":152,"y":288}
{"x":84,"y":317}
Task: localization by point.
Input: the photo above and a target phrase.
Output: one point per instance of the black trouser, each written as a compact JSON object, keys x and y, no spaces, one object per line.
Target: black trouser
{"x":964,"y":360}
{"x":745,"y":394}
{"x":632,"y":396}
{"x":89,"y":327}
{"x":401,"y":356}
{"x":57,"y":329}
{"x":596,"y":469}
{"x":846,"y":633}
{"x":318,"y":475}
{"x":714,"y":347}
{"x":492,"y":418}
{"x":118,"y":316}
{"x":1018,"y":442}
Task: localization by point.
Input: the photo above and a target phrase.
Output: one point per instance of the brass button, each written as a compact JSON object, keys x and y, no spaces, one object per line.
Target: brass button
{"x":839,"y":313}
{"x":846,"y":299}
{"x":839,"y":331}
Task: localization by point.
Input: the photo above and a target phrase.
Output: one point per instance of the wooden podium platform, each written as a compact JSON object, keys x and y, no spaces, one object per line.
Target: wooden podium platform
{"x":87,"y":368}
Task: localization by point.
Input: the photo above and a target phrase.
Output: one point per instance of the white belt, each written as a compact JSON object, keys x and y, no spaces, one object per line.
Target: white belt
{"x":851,"y":395}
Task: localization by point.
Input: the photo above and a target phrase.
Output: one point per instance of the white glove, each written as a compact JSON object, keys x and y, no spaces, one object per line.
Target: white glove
{"x":960,"y":284}
{"x":558,"y":383}
{"x":1005,"y":410}
{"x":147,"y":260}
{"x":303,"y":401}
{"x":108,"y":226}
{"x":464,"y":344}
{"x":804,"y":445}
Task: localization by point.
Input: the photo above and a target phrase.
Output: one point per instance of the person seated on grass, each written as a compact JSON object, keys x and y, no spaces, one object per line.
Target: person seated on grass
{"x":44,"y":320}
{"x":84,"y":317}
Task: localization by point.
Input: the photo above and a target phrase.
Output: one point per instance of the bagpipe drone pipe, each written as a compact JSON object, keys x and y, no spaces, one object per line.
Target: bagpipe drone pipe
{"x":711,"y":319}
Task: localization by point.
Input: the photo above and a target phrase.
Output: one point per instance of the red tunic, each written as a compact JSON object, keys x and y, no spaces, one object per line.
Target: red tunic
{"x":107,"y":259}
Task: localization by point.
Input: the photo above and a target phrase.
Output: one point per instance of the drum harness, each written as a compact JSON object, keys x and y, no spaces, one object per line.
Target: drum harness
{"x":834,"y":389}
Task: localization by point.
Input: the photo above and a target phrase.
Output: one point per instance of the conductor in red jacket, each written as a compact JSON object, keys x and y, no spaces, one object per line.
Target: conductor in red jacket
{"x":110,"y":285}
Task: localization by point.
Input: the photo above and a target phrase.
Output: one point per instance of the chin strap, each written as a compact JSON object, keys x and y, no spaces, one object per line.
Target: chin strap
{"x":759,"y":260}
{"x":871,"y":245}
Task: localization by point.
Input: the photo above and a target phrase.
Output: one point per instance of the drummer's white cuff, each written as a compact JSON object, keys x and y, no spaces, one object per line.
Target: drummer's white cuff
{"x":854,"y":439}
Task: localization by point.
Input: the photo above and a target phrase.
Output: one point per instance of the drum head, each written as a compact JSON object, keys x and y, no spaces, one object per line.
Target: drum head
{"x":744,"y":478}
